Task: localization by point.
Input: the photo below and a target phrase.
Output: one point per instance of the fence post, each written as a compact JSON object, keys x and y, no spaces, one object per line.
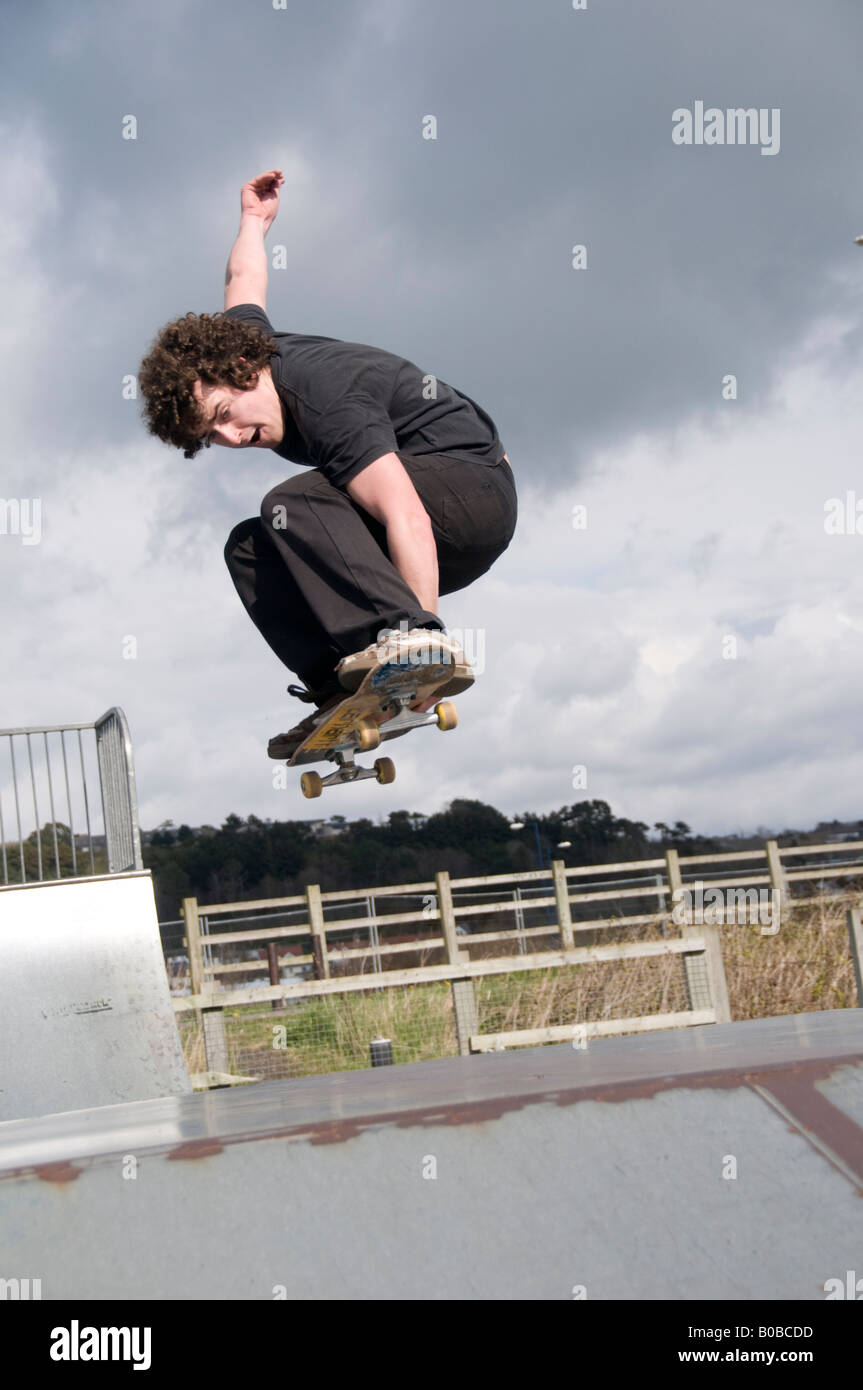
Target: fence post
{"x":855,"y":934}
{"x":463,"y":993}
{"x":192,"y":942}
{"x":660,"y":901}
{"x":715,"y":971}
{"x":215,"y":1037}
{"x":447,"y":916}
{"x":274,"y":971}
{"x":778,"y":881}
{"x":672,"y":869}
{"x":319,"y":935}
{"x":695,"y":973}
{"x":466,"y":1021}
{"x":211,"y":1021}
{"x":561,"y":893}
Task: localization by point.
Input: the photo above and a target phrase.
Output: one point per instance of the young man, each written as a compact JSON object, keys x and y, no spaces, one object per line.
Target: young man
{"x":410,"y":494}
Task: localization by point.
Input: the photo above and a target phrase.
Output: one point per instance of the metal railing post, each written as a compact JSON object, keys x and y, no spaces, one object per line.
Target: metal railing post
{"x":855,"y":936}
{"x":117,"y":784}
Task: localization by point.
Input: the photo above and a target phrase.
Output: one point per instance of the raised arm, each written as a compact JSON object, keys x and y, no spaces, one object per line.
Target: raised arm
{"x":246,"y":274}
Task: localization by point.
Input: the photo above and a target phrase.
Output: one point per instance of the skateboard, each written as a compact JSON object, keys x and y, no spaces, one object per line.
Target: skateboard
{"x":356,"y":725}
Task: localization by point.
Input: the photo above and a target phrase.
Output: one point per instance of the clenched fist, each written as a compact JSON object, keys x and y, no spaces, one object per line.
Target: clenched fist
{"x":260,"y":196}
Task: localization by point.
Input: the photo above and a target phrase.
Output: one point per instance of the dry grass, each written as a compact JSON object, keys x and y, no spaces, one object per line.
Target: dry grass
{"x":806,"y":966}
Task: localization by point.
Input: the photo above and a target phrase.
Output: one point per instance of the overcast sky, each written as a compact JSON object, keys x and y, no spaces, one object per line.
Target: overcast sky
{"x":697,"y":646}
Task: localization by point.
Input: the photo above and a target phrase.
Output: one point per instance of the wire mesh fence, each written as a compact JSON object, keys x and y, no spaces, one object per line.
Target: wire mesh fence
{"x":408,"y":1023}
{"x":414,"y":1023}
{"x":580,"y":994}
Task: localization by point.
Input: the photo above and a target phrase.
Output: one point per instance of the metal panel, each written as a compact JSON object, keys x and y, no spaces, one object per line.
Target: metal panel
{"x":85,"y":1008}
{"x":603,"y":1169}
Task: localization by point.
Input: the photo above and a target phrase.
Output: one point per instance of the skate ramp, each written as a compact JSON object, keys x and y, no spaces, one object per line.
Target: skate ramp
{"x":85,"y":1008}
{"x":723,"y":1161}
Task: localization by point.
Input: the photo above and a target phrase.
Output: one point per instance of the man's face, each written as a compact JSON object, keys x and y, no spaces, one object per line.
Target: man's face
{"x":240,"y":419}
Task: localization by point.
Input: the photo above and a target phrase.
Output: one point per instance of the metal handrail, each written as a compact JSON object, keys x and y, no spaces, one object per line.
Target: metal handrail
{"x":43,"y":766}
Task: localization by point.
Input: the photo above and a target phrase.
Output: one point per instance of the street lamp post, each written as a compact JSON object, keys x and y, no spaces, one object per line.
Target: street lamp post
{"x":538,"y":845}
{"x":561,"y":844}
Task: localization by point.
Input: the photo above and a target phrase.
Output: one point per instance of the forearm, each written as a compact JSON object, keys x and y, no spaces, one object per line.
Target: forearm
{"x":248,"y":256}
{"x":412,"y":549}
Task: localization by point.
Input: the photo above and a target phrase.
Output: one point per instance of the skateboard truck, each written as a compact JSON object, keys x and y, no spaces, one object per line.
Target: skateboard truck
{"x":368,"y":735}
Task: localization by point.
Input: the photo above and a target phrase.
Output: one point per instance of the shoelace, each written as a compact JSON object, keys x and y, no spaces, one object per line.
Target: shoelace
{"x":302,"y":694}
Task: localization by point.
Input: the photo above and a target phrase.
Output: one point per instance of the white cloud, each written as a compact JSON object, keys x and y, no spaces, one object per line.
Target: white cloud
{"x":602,"y":647}
{"x":685,"y":733}
{"x":30,"y":199}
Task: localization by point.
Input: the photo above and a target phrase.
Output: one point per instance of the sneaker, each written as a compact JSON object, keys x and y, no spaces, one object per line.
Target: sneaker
{"x":286,"y":745}
{"x":421,"y":644}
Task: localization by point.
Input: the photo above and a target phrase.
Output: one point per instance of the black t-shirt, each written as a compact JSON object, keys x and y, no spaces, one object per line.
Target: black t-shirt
{"x":346,"y":404}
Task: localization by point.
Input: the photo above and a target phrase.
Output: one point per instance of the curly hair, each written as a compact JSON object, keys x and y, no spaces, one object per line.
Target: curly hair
{"x":196,"y":347}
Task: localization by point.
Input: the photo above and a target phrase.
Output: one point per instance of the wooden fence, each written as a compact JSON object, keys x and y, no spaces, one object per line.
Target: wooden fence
{"x":442,"y":926}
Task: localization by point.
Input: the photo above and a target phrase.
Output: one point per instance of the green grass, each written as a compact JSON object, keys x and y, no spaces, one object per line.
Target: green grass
{"x":332,"y":1033}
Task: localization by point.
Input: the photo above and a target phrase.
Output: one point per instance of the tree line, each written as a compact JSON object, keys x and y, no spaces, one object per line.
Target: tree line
{"x":251,"y":858}
{"x":255,"y":859}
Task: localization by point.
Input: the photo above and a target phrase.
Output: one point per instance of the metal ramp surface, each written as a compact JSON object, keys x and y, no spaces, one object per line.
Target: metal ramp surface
{"x":548,"y":1173}
{"x":85,"y":1009}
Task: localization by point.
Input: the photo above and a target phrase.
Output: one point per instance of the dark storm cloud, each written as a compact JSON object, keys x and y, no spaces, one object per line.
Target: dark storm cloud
{"x":554,"y":128}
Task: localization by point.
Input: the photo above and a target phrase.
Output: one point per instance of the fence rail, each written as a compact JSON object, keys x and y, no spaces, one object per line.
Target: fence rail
{"x":556,"y":887}
{"x":52,"y":823}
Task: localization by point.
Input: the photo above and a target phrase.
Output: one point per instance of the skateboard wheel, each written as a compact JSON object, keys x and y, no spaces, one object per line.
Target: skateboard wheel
{"x":368,"y":735}
{"x":385,"y":769}
{"x":311,"y":784}
{"x":447,"y":715}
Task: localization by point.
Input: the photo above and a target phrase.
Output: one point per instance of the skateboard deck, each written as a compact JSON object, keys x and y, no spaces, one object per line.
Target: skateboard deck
{"x":379,"y":709}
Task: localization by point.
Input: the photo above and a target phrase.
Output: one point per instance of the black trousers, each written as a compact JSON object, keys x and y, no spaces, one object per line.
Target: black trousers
{"x":314,"y":573}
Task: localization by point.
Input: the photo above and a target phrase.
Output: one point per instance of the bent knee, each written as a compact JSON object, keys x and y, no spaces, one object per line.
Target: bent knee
{"x":242,"y":535}
{"x":287,"y":497}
